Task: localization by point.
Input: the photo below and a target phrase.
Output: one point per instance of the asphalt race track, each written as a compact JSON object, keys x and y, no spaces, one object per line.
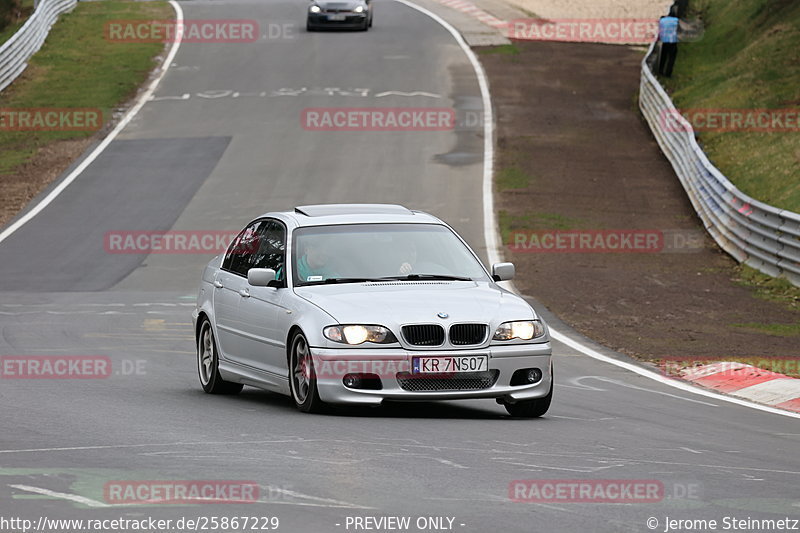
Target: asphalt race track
{"x":223,"y":142}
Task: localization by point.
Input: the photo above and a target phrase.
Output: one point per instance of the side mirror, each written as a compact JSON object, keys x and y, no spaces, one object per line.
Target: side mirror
{"x":260,"y":277}
{"x":503,"y":271}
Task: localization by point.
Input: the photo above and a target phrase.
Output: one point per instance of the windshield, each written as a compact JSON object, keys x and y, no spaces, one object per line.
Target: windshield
{"x":364,"y":252}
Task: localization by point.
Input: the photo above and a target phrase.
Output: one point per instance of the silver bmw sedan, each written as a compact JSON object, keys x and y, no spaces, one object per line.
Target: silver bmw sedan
{"x":361,"y":303}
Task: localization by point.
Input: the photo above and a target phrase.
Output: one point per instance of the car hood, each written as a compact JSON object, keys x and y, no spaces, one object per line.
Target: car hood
{"x":339,"y":4}
{"x":406,"y":302}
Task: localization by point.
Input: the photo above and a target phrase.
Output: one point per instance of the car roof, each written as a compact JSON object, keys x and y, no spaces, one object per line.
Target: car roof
{"x":323,"y":210}
{"x":329,"y":214}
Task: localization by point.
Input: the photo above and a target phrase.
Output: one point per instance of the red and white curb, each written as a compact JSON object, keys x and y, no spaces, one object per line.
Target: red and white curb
{"x":748,"y":382}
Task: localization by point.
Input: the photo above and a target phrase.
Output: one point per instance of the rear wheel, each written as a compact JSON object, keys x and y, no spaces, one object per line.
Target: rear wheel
{"x":208,"y":364}
{"x":302,"y":379}
{"x":530,"y":408}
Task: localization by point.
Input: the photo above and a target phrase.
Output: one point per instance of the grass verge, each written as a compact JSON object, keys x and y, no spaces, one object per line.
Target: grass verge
{"x":749,"y":59}
{"x":12,"y":16}
{"x":768,"y":288}
{"x":512,"y":178}
{"x":503,"y":49}
{"x":78,"y":68}
{"x":531,"y":220}
{"x":782,"y":330}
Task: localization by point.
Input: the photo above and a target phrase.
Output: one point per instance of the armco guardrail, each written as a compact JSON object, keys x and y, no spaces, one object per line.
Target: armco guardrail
{"x":15,"y":52}
{"x":759,"y":235}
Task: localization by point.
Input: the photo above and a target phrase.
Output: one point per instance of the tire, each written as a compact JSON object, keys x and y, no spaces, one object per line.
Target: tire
{"x":531,"y":408}
{"x":302,"y":379}
{"x":208,"y":363}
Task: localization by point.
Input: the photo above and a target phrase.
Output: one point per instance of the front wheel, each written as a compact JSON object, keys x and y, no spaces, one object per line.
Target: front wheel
{"x":530,"y":408}
{"x":302,"y":379}
{"x":208,"y":364}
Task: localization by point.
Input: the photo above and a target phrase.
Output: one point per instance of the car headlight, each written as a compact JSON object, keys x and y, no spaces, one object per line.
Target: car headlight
{"x":523,"y":329}
{"x":359,"y":9}
{"x":314,"y":9}
{"x":359,"y":334}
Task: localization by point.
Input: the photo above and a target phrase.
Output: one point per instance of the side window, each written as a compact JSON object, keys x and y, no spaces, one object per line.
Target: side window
{"x":244,"y":249}
{"x":272,"y":249}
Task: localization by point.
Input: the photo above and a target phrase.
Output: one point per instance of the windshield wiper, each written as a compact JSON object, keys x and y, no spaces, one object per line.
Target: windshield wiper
{"x":426,"y":277}
{"x":331,"y":281}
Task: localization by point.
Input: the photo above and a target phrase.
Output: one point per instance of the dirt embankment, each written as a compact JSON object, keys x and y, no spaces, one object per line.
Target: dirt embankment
{"x":575,"y":154}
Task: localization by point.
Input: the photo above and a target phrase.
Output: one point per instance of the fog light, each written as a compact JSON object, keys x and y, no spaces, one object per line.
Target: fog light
{"x":526,"y":376}
{"x":352,"y":381}
{"x":534,"y":375}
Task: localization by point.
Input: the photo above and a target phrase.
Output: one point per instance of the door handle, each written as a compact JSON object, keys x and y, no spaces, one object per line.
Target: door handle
{"x":244,"y":293}
{"x":217,"y":284}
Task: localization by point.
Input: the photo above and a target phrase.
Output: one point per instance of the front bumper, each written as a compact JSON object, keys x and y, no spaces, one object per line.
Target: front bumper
{"x":332,"y":364}
{"x":351,"y":20}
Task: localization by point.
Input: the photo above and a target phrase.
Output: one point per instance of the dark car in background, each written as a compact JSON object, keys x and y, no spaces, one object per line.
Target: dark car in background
{"x":348,"y":14}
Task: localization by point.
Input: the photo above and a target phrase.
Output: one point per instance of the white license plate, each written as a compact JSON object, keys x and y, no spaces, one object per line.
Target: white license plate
{"x":337,"y":17}
{"x":450,"y":364}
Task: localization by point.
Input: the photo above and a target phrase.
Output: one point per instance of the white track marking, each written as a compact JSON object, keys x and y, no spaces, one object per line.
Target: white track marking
{"x":61,"y":495}
{"x":143,"y":98}
{"x":155,"y":444}
{"x":401,"y":93}
{"x":491,"y":237}
{"x":635,"y":387}
{"x":322,"y":502}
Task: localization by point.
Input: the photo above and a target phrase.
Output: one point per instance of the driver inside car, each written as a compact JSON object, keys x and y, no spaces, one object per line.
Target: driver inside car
{"x":315,"y":263}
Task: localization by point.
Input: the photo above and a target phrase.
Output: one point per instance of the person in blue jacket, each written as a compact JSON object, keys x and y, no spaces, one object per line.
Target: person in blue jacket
{"x":668,"y":36}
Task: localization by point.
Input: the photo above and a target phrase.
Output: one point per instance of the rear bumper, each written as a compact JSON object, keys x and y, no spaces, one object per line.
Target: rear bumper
{"x":332,"y":365}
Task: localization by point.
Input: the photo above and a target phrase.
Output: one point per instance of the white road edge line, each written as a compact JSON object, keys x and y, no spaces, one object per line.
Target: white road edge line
{"x":491,"y":237}
{"x":61,"y":495}
{"x":105,"y":142}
